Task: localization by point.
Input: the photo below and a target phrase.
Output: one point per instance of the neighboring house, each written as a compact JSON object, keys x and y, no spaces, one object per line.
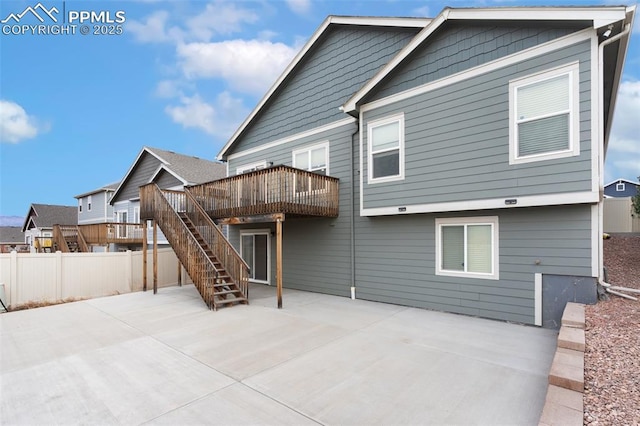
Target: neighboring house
{"x":94,"y":207}
{"x":168,"y":170}
{"x":38,"y":225}
{"x":469,"y":149}
{"x":621,"y":188}
{"x":12,"y":239}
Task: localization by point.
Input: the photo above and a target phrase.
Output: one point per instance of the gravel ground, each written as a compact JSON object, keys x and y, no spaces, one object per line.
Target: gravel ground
{"x":612,"y":356}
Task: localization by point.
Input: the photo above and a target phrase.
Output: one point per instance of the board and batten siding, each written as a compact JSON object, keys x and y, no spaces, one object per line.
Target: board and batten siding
{"x":316,"y":251}
{"x":459,"y":46}
{"x":457,"y":141}
{"x":140,"y":175}
{"x":395,"y":260}
{"x":338,"y":66}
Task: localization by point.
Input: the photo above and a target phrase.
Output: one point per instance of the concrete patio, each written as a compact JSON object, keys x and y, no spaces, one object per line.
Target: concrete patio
{"x":166,"y":359}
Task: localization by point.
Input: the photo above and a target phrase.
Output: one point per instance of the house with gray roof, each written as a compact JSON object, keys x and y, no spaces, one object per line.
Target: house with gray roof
{"x":38,"y":224}
{"x":94,"y":206}
{"x":12,"y":238}
{"x":167,"y":169}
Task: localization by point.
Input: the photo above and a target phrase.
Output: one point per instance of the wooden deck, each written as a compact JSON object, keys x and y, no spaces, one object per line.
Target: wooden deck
{"x":112,"y":233}
{"x":277,"y":189}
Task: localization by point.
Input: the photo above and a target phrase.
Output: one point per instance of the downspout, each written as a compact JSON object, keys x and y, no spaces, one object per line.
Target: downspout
{"x":352,"y":218}
{"x":601,"y":132}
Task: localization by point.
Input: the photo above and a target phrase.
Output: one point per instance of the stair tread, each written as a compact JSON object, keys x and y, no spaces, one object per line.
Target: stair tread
{"x":220,"y":293}
{"x":229,"y":301}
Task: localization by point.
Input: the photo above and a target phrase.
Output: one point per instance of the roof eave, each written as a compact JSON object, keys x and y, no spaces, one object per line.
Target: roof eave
{"x":600,"y":16}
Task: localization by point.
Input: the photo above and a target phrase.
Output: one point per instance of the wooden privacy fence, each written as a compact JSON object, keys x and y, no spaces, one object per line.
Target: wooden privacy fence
{"x":618,"y":215}
{"x":38,"y":277}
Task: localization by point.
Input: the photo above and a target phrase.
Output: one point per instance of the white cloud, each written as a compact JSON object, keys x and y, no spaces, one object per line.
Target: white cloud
{"x":15,"y":124}
{"x":219,"y":18}
{"x":216,"y":18}
{"x":249,"y":66}
{"x":220,"y":119}
{"x":300,"y":7}
{"x":623,"y":154}
{"x":422,"y":12}
{"x":153,"y":29}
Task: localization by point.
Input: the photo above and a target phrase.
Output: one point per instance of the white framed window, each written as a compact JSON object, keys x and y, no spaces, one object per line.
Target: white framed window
{"x":385,"y":149}
{"x":80,"y":205}
{"x":315,"y":159}
{"x":544,"y":115}
{"x":89,"y":203}
{"x":246,"y":168}
{"x":467,"y":247}
{"x":620,"y":187}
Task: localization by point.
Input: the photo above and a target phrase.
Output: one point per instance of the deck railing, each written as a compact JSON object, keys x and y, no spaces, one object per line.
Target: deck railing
{"x":113,"y":232}
{"x":278,"y":189}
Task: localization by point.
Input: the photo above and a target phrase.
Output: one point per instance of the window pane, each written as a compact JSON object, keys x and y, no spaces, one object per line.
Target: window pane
{"x":386,"y":164}
{"x":545,"y":97}
{"x":318,"y":158}
{"x":385,"y":137}
{"x":453,"y":248}
{"x":479,"y":253}
{"x":544,"y":135}
{"x":302,"y":160}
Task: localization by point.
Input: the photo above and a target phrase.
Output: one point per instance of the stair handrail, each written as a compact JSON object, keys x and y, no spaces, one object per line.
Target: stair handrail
{"x":198,"y":266}
{"x":59,"y":240}
{"x":231,"y":260}
{"x":82,"y":243}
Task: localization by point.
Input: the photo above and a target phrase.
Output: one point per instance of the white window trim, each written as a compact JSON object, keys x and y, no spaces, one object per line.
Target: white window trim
{"x":89,"y":203}
{"x":245,"y":167}
{"x":310,"y":148}
{"x":620,"y":187}
{"x":80,"y":205}
{"x":381,"y":122}
{"x":461,"y":221}
{"x":573,"y":71}
{"x":254,"y":232}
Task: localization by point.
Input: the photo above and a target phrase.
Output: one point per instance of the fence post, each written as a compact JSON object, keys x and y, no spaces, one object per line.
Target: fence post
{"x":58,"y":275}
{"x":13,"y":279}
{"x":129,"y":270}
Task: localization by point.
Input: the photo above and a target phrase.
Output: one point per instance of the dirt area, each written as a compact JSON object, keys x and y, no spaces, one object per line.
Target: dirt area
{"x":612,"y":356}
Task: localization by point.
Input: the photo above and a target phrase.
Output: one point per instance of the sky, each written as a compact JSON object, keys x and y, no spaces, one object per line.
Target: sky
{"x":76,"y":109}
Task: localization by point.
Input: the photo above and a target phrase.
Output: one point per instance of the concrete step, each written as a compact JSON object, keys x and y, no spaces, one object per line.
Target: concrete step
{"x":567,"y":370}
{"x":562,"y":407}
{"x":571,"y":338}
{"x":573,"y":315}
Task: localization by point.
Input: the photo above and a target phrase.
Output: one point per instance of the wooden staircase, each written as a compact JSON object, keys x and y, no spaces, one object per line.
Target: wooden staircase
{"x":226,"y":292}
{"x":215,"y":267}
{"x":69,"y":239}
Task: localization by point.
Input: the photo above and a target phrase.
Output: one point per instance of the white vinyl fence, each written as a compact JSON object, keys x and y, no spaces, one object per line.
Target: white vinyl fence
{"x":38,"y":277}
{"x":618,"y":216}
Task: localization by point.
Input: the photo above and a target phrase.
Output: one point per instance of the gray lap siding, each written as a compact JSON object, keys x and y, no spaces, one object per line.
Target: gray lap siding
{"x":395,"y":260}
{"x":457,"y":141}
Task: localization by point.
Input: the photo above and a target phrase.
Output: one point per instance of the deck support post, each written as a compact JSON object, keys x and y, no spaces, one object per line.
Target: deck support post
{"x":155,"y":257}
{"x":179,"y":273}
{"x":279,"y":260}
{"x":144,"y":255}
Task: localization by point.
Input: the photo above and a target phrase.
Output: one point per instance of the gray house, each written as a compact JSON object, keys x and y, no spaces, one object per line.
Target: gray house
{"x":94,"y":206}
{"x":39,"y":222}
{"x":449,"y":137}
{"x":168,"y":170}
{"x":621,"y":188}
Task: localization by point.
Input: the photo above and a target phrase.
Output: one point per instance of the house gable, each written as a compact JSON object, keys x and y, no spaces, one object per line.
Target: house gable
{"x":338,"y":63}
{"x":460,"y":45}
{"x":139,"y":174}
